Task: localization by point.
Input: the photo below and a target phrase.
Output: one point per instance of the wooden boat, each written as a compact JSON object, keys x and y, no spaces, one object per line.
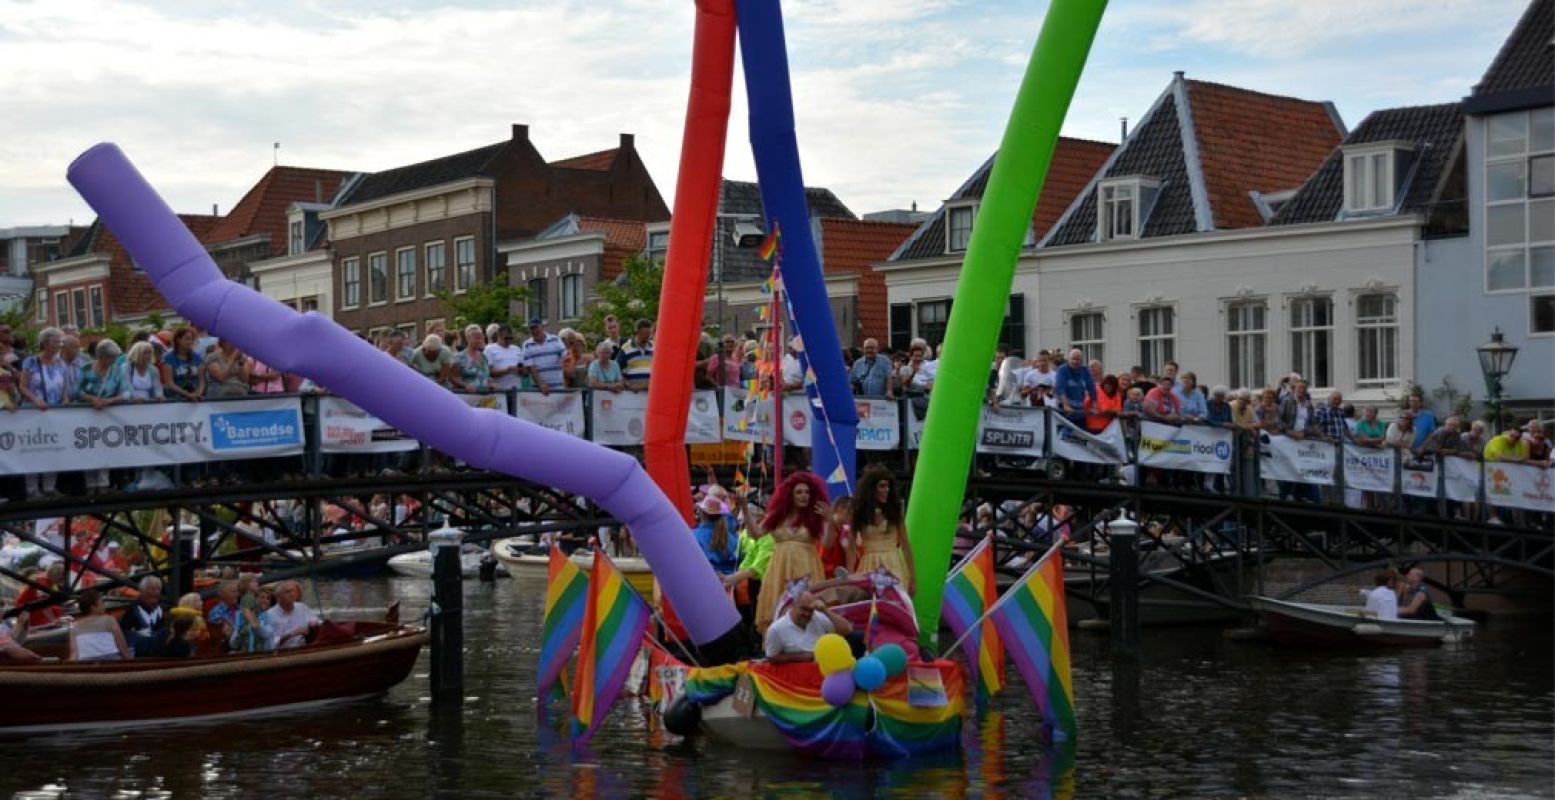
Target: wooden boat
{"x":522,"y":556}
{"x":368,"y":658}
{"x":1319,"y":625}
{"x":419,"y":563}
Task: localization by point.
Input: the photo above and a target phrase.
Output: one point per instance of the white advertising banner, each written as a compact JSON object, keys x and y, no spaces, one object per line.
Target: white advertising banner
{"x":1300,"y":460}
{"x":1519,"y":486}
{"x":879,"y":423}
{"x":1011,"y":430}
{"x":1368,"y":469}
{"x":1196,"y":448}
{"x":1417,"y":477}
{"x":1461,"y":479}
{"x":703,"y":422}
{"x":914,"y":427}
{"x":342,"y":427}
{"x":148,"y":434}
{"x":559,"y":411}
{"x":494,"y":402}
{"x":621,"y":419}
{"x":1074,"y":443}
{"x":747,"y":420}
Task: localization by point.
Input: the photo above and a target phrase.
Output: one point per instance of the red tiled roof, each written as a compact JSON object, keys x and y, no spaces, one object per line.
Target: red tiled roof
{"x":130,"y":291}
{"x":851,"y":246}
{"x":1075,"y":162}
{"x":1254,"y":141}
{"x":599,"y":162}
{"x":263,"y":208}
{"x":623,"y":239}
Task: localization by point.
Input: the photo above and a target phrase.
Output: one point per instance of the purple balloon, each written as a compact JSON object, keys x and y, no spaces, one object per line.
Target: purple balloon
{"x":837,"y":688}
{"x":312,"y":345}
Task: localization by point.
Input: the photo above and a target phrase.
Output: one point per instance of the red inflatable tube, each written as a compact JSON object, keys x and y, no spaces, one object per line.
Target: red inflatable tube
{"x":691,"y":236}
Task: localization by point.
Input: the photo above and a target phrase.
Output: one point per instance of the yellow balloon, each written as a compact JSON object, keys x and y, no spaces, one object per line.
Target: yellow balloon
{"x":832,"y":654}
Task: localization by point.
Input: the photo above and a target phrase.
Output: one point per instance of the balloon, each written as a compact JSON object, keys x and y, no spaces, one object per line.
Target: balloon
{"x":982,"y":292}
{"x":838,"y":688}
{"x":833,"y":654}
{"x":869,"y":673}
{"x":893,"y":657}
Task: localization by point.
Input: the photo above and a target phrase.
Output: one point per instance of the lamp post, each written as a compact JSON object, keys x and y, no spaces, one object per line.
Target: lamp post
{"x":1495,"y":360}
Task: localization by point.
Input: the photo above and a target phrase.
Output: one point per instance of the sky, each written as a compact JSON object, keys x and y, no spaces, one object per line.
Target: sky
{"x":897,"y":101}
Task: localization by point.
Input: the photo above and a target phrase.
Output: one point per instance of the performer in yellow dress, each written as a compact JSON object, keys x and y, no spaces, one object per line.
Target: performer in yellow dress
{"x":797,"y":519}
{"x":879,"y":535}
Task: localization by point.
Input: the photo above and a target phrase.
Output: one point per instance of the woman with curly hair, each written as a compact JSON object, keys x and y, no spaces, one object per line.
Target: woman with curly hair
{"x":797,"y":518}
{"x":879,"y":534}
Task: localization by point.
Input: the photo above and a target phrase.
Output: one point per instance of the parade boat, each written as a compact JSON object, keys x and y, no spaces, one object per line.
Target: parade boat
{"x":346,"y":661}
{"x":1319,"y":625}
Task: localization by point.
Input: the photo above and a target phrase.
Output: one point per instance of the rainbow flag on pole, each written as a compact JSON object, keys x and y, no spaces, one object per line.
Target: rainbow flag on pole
{"x":969,"y":592}
{"x":566,"y":587}
{"x":614,"y":620}
{"x":1033,"y":621}
{"x":769,"y":248}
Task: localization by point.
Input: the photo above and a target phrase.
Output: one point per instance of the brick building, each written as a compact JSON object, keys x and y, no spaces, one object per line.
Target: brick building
{"x":97,"y":282}
{"x":562,"y":265}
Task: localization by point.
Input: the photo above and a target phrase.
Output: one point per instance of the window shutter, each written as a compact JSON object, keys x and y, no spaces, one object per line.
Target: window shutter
{"x":901,"y":326}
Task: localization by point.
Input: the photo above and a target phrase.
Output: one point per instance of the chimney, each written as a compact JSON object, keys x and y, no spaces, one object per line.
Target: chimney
{"x":915,"y":206}
{"x":627,"y":141}
{"x":1177,"y":75}
{"x":520,"y":132}
{"x":1123,"y":125}
{"x":318,"y":190}
{"x":214,"y":212}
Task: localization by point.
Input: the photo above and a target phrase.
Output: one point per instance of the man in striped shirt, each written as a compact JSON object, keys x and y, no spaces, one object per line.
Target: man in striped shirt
{"x":543,"y":355}
{"x":636,"y":358}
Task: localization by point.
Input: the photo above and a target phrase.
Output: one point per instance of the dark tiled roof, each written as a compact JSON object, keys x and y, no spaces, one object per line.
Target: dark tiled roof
{"x":263,"y":208}
{"x":1074,"y":162}
{"x":1527,"y":58}
{"x":743,"y":197}
{"x":458,"y":166}
{"x":1435,"y":130}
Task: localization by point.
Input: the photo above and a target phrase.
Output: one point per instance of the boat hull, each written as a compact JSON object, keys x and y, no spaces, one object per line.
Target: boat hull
{"x":419,"y":565}
{"x":1343,"y":627}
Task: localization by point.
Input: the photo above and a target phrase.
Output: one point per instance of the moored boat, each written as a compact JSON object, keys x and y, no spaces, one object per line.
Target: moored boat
{"x":418,"y":564}
{"x":1321,"y":625}
{"x":522,"y":556}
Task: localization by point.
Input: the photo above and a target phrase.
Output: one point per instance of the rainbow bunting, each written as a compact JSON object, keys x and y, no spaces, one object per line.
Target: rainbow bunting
{"x":764,"y":313}
{"x":614,"y":619}
{"x":566,"y":588}
{"x":969,"y":591}
{"x":769,"y":248}
{"x":837,"y":475}
{"x":1033,"y":622}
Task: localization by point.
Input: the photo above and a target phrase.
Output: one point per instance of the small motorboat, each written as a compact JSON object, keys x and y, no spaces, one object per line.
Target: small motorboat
{"x":522,"y":556}
{"x":1320,"y":625}
{"x":418,"y":564}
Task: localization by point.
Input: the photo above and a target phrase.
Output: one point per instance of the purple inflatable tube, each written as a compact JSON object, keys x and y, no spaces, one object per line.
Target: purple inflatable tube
{"x":312,"y":345}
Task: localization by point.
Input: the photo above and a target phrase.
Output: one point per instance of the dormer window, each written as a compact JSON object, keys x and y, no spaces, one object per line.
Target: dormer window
{"x":958,"y":226}
{"x":1122,"y":204}
{"x":1373,"y":175}
{"x":296,"y":242}
{"x":658,"y":241}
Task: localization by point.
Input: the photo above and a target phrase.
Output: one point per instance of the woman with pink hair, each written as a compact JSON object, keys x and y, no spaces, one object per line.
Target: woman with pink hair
{"x":797,"y":518}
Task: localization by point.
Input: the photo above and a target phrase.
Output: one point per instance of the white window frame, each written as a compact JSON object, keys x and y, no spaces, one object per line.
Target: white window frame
{"x":350,"y":279}
{"x":1304,"y":330}
{"x":409,"y":329}
{"x":460,"y":284}
{"x":1108,"y":195}
{"x":383,"y":256}
{"x":43,"y":306}
{"x":1364,"y":177}
{"x":570,"y":308}
{"x":427,"y":248}
{"x":1525,"y":157}
{"x":78,"y":303}
{"x":917,"y":318}
{"x":295,"y":235}
{"x":1161,"y":345}
{"x":535,"y":305}
{"x":61,"y":308}
{"x":652,"y":230}
{"x":1095,"y":345}
{"x":1534,"y":297}
{"x":951,"y":211}
{"x":97,"y":311}
{"x":1379,"y":327}
{"x":1247,"y":347}
{"x":400,"y":295}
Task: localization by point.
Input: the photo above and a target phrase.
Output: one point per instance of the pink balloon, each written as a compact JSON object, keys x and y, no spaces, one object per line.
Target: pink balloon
{"x":838,"y":687}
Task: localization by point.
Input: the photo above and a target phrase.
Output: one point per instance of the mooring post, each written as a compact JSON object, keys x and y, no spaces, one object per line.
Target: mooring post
{"x":447,"y":614}
{"x":1123,"y":567}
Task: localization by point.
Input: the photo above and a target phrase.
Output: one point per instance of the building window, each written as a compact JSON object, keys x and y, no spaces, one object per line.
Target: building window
{"x":1012,"y":333}
{"x":958,"y":231}
{"x":437,"y":268}
{"x":96,"y":301}
{"x":1541,"y":313}
{"x":572,"y":296}
{"x":658,"y":245}
{"x":464,"y":264}
{"x":932,"y":318}
{"x":377,"y":278}
{"x":1157,"y":338}
{"x":62,"y":308}
{"x":43,"y":306}
{"x":1088,"y":332}
{"x":350,"y":283}
{"x":309,"y":303}
{"x":1376,"y":323}
{"x":1121,"y":207}
{"x":536,"y":301}
{"x":1246,"y":341}
{"x":78,"y":296}
{"x":1520,"y":201}
{"x":409,"y":329}
{"x":1311,"y":338}
{"x":295,"y":240}
{"x":405,"y":273}
{"x":1370,"y":178}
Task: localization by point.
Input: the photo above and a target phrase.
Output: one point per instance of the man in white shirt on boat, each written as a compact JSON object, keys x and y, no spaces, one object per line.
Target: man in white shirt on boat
{"x":290,"y":620}
{"x":792,"y":637}
{"x":1382,"y":600}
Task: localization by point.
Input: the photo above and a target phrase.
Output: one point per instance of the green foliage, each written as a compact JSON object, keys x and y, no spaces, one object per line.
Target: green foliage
{"x":19,"y":320}
{"x":633,"y":295}
{"x":484,"y":304}
{"x":155,"y":322}
{"x":115,"y":331}
{"x":1460,"y":403}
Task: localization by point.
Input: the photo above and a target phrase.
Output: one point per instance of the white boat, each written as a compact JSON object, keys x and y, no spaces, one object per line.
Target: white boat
{"x":418,"y":564}
{"x":1319,"y":625}
{"x":522,"y":556}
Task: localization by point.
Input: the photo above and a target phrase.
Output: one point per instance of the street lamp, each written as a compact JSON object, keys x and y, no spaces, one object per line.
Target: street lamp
{"x":1495,"y":360}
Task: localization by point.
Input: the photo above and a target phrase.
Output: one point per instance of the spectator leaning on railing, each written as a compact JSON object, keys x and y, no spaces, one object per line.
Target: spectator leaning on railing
{"x":472,"y":372}
{"x":636,"y":358}
{"x":1190,"y":398}
{"x":433,"y":359}
{"x":1074,"y":385}
{"x":543,"y":354}
{"x":506,"y":360}
{"x":1369,"y":431}
{"x":1330,"y":420}
{"x":871,"y":374}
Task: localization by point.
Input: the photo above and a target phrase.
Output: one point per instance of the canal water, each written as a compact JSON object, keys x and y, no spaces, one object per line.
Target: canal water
{"x":1198,"y":716}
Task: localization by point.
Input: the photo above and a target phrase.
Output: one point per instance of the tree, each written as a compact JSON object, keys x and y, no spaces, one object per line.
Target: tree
{"x":484,"y":304}
{"x":633,"y":295}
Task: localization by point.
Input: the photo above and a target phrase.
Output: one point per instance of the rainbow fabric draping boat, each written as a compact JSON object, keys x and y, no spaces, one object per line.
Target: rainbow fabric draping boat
{"x":1032,"y":621}
{"x":566,"y":590}
{"x":614,"y":619}
{"x":882,"y":723}
{"x":969,"y":592}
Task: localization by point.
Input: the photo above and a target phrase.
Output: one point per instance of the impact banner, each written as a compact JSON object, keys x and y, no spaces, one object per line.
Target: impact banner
{"x":879,"y":423}
{"x":1519,"y":486}
{"x":149,"y":435}
{"x":1012,"y":431}
{"x":1074,"y":443}
{"x":1195,"y":448}
{"x":1282,"y":458}
{"x":620,"y":419}
{"x":1370,"y":469}
{"x":1461,"y":479}
{"x":1417,"y":477}
{"x":559,"y":411}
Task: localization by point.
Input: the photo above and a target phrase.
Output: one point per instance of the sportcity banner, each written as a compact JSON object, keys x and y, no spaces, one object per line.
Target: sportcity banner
{"x":879,"y":424}
{"x":1282,"y":458}
{"x":1370,"y":469}
{"x":1074,"y":443}
{"x":149,"y":435}
{"x":559,"y":411}
{"x":620,"y":419}
{"x":1519,"y":486}
{"x":1196,"y":448}
{"x":1012,"y":430}
{"x":1461,"y":481}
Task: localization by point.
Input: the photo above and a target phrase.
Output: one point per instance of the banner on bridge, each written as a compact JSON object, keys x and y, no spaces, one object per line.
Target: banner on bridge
{"x":1418,"y":477}
{"x":1196,"y":448}
{"x":1461,"y":479}
{"x":1282,"y":458}
{"x":879,"y":421}
{"x":558,"y":411}
{"x":343,"y":427}
{"x":621,"y":419}
{"x":148,"y":435}
{"x":1074,"y":443}
{"x":1519,"y":486}
{"x":1369,"y":469}
{"x":1012,"y":431}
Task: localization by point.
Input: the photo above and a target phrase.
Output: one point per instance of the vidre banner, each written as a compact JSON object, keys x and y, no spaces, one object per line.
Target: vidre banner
{"x":559,"y":411}
{"x":1195,"y":448}
{"x":1520,"y":486}
{"x":1282,"y":458}
{"x":1011,"y":430}
{"x":879,"y":423}
{"x":1074,"y":443}
{"x":621,"y":419}
{"x":1370,"y":469}
{"x":149,"y":435}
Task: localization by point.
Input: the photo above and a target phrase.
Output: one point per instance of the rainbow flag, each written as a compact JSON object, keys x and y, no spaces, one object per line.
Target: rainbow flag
{"x":565,"y":589}
{"x":969,"y":592}
{"x":614,"y":620}
{"x":1034,"y":623}
{"x":769,"y":248}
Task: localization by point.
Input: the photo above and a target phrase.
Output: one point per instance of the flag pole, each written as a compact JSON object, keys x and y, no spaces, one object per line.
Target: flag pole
{"x":777,"y":371}
{"x":978,"y":625}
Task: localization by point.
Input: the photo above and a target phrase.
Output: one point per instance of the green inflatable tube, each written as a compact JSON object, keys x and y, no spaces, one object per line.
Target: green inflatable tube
{"x":950,"y":432}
